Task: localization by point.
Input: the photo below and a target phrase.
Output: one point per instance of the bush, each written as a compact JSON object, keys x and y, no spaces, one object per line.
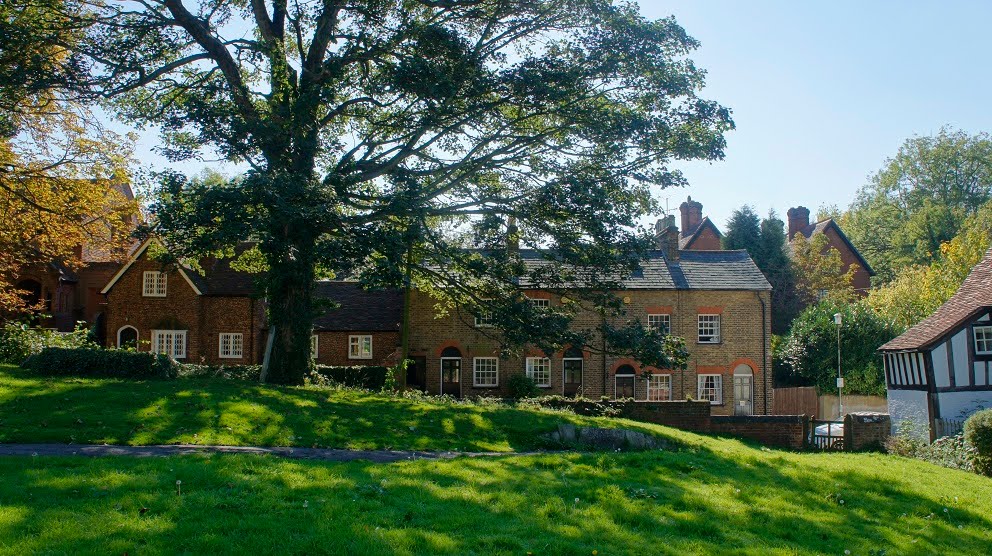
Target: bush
{"x":522,"y":386}
{"x":369,"y":378}
{"x":978,"y":433}
{"x":235,"y":372}
{"x":113,"y":363}
{"x":579,"y":406}
{"x":18,"y":341}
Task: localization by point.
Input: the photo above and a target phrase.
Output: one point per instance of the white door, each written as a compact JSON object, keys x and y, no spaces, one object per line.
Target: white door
{"x":743,"y":395}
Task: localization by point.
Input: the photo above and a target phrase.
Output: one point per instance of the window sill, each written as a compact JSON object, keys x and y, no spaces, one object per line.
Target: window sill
{"x":369,"y":358}
{"x":708,"y":343}
{"x":487,"y":387}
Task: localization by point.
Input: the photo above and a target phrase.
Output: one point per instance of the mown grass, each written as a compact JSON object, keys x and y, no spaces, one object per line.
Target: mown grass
{"x":36,"y":409}
{"x":715,"y":496}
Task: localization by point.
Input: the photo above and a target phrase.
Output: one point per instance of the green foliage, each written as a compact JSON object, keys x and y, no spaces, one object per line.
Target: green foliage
{"x":369,"y":377}
{"x":917,"y":291}
{"x":743,"y":231}
{"x":19,"y":341}
{"x":953,"y":452}
{"x":920,"y":199}
{"x":820,"y":270}
{"x":94,"y":362}
{"x":810,"y":350}
{"x":978,"y":433}
{"x":522,"y":386}
{"x":232,"y":372}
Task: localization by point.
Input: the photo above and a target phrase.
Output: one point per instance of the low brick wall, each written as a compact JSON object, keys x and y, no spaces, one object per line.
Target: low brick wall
{"x":786,"y":431}
{"x":688,"y":415}
{"x":866,"y":431}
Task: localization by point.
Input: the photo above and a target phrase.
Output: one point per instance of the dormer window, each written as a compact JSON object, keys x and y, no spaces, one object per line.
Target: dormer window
{"x":153,"y":284}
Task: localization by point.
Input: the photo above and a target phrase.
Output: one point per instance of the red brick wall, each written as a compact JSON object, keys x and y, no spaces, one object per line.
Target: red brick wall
{"x":707,"y":240}
{"x":332,"y":348}
{"x":866,"y":431}
{"x":862,"y":280}
{"x":786,"y":431}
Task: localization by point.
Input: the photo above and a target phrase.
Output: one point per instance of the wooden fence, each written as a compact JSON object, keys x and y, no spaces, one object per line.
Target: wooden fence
{"x":947,"y":427}
{"x":795,"y":401}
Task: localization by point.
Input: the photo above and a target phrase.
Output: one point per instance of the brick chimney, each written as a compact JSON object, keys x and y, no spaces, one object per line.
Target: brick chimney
{"x":667,"y":237}
{"x":692,"y":215}
{"x":798,"y":220}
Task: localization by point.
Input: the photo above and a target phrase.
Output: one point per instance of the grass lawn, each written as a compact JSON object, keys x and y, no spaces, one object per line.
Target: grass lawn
{"x":717,"y":497}
{"x":711,"y":495}
{"x":225,"y":412}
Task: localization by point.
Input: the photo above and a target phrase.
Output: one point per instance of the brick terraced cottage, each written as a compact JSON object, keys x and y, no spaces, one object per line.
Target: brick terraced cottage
{"x":217,"y":316}
{"x":941,"y":369}
{"x":717,"y":300}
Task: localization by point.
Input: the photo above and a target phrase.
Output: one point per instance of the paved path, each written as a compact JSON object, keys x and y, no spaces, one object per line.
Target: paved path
{"x":96,"y":450}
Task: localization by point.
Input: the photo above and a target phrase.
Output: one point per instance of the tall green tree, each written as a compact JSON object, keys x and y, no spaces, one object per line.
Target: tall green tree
{"x":919,"y":199}
{"x":744,"y":232}
{"x":774,"y":261}
{"x":366,"y":123}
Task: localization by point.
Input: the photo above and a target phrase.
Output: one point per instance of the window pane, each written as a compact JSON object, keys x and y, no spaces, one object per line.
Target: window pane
{"x":709,"y":329}
{"x":659,"y":388}
{"x":660,"y":322}
{"x":451,"y":370}
{"x":486,"y":371}
{"x":573,"y":371}
{"x":539,"y":370}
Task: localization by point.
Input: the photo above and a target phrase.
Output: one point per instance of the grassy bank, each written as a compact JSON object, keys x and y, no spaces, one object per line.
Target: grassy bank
{"x":227,"y":412}
{"x":717,"y":497}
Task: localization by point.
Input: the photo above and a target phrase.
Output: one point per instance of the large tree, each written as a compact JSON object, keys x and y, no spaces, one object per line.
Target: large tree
{"x":919,"y":199}
{"x":58,"y":166}
{"x":383,"y":136}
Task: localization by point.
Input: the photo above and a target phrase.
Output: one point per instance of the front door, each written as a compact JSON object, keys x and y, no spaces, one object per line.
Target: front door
{"x":743,"y":395}
{"x":573,"y":376}
{"x":416,"y":373}
{"x":451,"y":376}
{"x":625,"y":386}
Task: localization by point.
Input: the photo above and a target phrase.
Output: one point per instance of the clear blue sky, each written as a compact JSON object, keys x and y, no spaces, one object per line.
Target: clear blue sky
{"x":822,"y":92}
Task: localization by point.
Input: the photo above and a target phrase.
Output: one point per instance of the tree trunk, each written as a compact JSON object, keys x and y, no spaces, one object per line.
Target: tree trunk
{"x":291,"y":314}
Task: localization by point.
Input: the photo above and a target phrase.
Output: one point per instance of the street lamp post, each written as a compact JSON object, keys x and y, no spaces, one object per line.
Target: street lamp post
{"x":839,"y":321}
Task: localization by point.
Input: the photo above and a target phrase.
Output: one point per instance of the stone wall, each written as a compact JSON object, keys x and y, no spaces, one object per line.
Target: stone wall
{"x":866,"y":431}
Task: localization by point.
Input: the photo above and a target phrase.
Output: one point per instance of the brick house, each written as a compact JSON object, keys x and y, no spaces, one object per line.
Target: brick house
{"x":70,"y":293}
{"x":698,"y":231}
{"x":799,"y":224}
{"x":217,"y":317}
{"x":717,"y":300}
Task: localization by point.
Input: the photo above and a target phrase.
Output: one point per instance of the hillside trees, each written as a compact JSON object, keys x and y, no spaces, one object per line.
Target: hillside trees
{"x":920,"y":199}
{"x":57,"y":166}
{"x":376,"y":132}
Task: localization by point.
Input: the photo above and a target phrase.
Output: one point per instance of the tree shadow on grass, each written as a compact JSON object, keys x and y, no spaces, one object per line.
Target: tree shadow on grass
{"x":691,"y":501}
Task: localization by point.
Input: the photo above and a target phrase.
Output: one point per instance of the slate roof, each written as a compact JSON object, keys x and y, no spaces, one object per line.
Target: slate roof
{"x":360,"y":310}
{"x":694,"y":270}
{"x":822,"y":226}
{"x":974,"y":295}
{"x":688,"y":236}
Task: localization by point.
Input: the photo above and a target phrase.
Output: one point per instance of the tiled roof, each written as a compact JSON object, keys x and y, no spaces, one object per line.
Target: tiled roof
{"x":694,"y":270}
{"x":974,"y":295}
{"x":359,"y":309}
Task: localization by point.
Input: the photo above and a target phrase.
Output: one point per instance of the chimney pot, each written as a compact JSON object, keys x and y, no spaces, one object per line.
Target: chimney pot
{"x":692,"y":215}
{"x":798,"y":220}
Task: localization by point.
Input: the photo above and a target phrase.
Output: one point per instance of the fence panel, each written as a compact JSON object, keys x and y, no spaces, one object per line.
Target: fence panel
{"x":947,"y":427}
{"x":795,"y":401}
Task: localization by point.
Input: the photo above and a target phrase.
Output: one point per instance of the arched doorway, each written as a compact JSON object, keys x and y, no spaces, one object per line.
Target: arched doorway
{"x":743,"y":390}
{"x":451,"y":371}
{"x":624,"y":382}
{"x":127,"y":337}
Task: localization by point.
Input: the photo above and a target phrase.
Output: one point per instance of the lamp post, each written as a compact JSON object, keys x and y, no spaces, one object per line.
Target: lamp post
{"x":839,"y":321}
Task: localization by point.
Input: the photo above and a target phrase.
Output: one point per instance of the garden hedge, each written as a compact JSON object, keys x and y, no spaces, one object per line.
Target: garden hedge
{"x":101,"y":362}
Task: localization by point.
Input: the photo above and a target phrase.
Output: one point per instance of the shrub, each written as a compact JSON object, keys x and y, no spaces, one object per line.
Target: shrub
{"x":101,"y":362}
{"x":978,"y":433}
{"x":522,"y":386}
{"x":369,"y":378}
{"x":19,"y":341}
{"x":580,"y":406}
{"x":235,"y":372}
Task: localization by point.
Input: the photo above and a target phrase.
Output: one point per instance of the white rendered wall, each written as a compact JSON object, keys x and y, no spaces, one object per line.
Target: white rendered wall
{"x":959,"y":405}
{"x":908,"y":410}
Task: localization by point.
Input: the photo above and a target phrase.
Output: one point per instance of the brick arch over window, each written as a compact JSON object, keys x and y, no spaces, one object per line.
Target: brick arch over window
{"x":449,"y":344}
{"x":745,"y":361}
{"x":621,"y":362}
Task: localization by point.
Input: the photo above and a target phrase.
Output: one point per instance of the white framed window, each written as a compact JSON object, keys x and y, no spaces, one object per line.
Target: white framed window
{"x":153,"y":284}
{"x":231,"y":345}
{"x":539,"y":370}
{"x":314,"y":344}
{"x":710,"y":387}
{"x":484,"y":320}
{"x":360,"y":347}
{"x":662,"y":322}
{"x":659,"y":388}
{"x":169,"y":342}
{"x":709,"y":329}
{"x":540,"y":303}
{"x":485,"y":372}
{"x":983,"y":340}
